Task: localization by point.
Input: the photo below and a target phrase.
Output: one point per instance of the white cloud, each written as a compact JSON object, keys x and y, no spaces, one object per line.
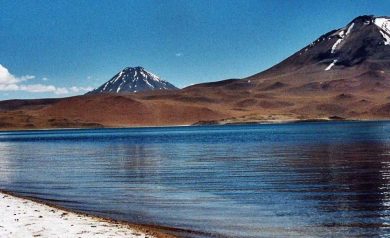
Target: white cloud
{"x":9,"y":82}
{"x":75,"y":89}
{"x":9,"y":87}
{"x":179,"y":54}
{"x":60,"y":91}
{"x":37,"y":88}
{"x":6,"y":78}
{"x":27,"y":77}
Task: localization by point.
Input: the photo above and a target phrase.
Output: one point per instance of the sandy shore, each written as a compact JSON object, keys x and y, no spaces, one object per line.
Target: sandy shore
{"x":25,"y":218}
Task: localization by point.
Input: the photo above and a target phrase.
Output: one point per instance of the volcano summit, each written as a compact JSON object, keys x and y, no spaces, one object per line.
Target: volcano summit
{"x":132,"y":80}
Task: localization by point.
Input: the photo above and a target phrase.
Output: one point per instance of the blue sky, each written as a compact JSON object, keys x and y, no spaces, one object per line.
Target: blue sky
{"x":63,"y":48}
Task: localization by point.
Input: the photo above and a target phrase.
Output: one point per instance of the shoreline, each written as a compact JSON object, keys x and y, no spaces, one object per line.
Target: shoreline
{"x":30,"y":217}
{"x":202,"y":123}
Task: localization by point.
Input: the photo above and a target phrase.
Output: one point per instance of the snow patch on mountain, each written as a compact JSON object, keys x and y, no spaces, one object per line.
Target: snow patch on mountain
{"x":350,"y":28}
{"x":331,"y":65}
{"x":335,"y":45}
{"x":342,"y":34}
{"x":384,"y":25}
{"x":385,"y":37}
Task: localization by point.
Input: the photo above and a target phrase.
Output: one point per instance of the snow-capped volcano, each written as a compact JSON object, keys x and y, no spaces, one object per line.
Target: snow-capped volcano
{"x":364,"y":41}
{"x":135,"y":79}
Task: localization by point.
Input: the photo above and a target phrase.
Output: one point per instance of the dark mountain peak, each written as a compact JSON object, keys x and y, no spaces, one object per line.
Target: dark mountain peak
{"x":133,"y":79}
{"x":363,"y":19}
{"x":370,"y":20}
{"x":137,"y":68}
{"x":365,"y":41}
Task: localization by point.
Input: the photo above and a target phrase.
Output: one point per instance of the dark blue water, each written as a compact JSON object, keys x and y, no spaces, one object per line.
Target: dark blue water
{"x":308,"y":179}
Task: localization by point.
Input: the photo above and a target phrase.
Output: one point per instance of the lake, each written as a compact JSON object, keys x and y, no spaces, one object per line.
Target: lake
{"x":303,"y":179}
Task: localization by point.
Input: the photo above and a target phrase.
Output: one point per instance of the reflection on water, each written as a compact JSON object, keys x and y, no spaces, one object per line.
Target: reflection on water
{"x":310,"y":179}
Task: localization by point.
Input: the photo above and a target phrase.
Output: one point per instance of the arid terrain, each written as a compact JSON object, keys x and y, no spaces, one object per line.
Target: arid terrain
{"x":344,"y":74}
{"x":242,"y":101}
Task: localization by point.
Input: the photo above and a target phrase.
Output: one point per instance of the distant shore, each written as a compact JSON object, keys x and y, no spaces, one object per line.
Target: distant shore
{"x":204,"y":123}
{"x":23,"y":217}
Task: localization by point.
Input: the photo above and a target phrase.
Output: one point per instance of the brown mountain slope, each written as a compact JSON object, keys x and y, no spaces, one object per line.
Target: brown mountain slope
{"x":192,"y":105}
{"x":106,"y":110}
